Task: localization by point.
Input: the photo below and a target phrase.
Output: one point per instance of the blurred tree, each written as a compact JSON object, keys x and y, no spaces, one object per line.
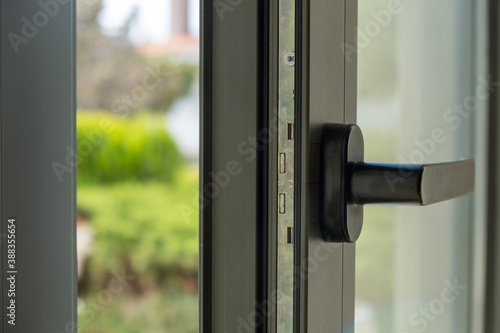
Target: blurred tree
{"x":113,"y":75}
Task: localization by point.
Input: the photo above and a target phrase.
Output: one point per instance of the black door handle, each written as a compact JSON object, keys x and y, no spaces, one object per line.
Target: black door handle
{"x":347,"y":182}
{"x":425,"y":184}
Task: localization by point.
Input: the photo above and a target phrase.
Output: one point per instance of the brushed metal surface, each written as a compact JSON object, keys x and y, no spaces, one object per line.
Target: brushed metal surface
{"x":286,"y":186}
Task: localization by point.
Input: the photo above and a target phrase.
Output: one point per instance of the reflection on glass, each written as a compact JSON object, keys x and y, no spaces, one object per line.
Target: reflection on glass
{"x":137,"y":166}
{"x":413,"y":263}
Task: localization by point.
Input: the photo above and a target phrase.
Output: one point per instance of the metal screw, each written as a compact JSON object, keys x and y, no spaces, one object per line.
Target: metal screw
{"x":290,"y":59}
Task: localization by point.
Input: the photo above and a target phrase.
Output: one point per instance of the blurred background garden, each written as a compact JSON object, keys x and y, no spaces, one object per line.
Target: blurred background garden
{"x":138,"y":167}
{"x":138,"y":135}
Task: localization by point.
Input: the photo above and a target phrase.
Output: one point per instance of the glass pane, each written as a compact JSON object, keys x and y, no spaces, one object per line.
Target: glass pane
{"x":138,"y":165}
{"x":419,"y":93}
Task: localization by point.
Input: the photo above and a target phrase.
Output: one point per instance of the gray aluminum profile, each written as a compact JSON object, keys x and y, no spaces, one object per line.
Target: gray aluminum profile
{"x":231,"y":216}
{"x":492,"y":303}
{"x":232,"y":89}
{"x":328,"y":92}
{"x":285,"y":159}
{"x":38,"y":126}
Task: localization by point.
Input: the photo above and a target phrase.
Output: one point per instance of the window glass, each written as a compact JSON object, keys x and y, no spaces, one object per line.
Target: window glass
{"x":419,"y":96}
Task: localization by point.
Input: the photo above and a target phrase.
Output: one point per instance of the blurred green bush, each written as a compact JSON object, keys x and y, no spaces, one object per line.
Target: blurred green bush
{"x":151,"y":229}
{"x":114,"y":149}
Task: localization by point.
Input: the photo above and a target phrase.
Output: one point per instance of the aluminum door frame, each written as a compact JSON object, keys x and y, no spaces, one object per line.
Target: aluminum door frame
{"x":238,"y":102}
{"x":232,"y":194}
{"x":328,"y":95}
{"x":491,"y":307}
{"x":37,"y":164}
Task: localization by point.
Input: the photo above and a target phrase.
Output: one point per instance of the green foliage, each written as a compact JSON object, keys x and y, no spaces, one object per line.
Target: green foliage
{"x":113,"y":149}
{"x":150,"y":228}
{"x":141,"y":202}
{"x":155,"y":313}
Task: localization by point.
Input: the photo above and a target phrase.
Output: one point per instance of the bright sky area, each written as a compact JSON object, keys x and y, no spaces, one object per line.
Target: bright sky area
{"x":153,"y":23}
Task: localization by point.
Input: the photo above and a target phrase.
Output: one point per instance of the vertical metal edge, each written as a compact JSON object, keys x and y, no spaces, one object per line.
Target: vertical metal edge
{"x":205,"y":230}
{"x":263,"y":161}
{"x":479,"y":228}
{"x":300,"y":165}
{"x":2,"y":225}
{"x":492,"y":321}
{"x":350,"y":68}
{"x":286,"y":180}
{"x":466,"y":248}
{"x":350,"y":112}
{"x":272,"y":117}
{"x":75,"y":174}
{"x":326,"y":85}
{"x":70,"y":288}
{"x":230,"y":123}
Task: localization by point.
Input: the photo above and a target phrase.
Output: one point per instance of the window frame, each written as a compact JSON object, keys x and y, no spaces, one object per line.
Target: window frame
{"x":38,"y":175}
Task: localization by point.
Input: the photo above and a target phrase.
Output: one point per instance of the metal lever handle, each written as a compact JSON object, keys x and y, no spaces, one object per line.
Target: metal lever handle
{"x":426,"y":184}
{"x":347,"y":182}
